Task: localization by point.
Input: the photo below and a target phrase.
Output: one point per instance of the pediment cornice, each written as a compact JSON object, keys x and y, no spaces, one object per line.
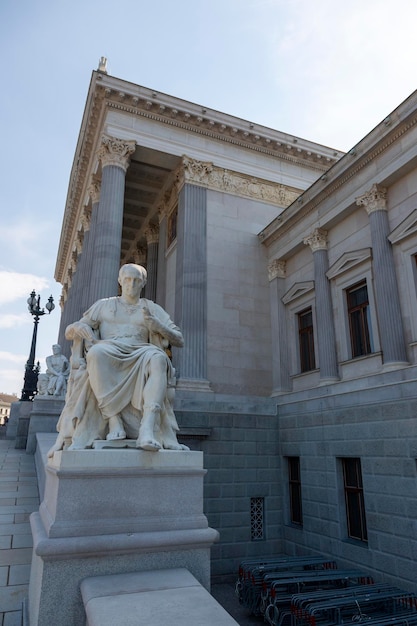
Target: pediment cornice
{"x":405,"y":229}
{"x":347,"y":261}
{"x":298,"y":290}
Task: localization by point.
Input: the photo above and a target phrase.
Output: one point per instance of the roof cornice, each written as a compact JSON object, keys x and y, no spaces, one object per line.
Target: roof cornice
{"x":379,"y":140}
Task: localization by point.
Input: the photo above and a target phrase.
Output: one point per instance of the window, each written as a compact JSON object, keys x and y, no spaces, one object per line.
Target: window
{"x":306,"y":340}
{"x":358,"y":313}
{"x":257,"y":519}
{"x":355,"y":503}
{"x":294,"y":486}
{"x":172,"y":226}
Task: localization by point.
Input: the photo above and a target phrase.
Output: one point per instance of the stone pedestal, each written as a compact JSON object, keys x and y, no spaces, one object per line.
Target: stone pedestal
{"x":43,"y":418}
{"x":111,"y":512}
{"x":18,"y":410}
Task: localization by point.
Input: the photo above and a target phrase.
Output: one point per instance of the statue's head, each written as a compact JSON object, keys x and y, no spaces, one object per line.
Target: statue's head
{"x":132,"y":271}
{"x":56,"y":348}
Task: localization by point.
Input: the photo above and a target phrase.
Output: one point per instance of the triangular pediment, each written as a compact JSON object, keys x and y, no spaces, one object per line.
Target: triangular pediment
{"x":298,"y":290}
{"x":405,"y":229}
{"x":347,"y":261}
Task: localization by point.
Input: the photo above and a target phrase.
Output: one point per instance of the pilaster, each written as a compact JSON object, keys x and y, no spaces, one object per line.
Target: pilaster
{"x":385,"y":279}
{"x":326,"y":336}
{"x":280,"y":350}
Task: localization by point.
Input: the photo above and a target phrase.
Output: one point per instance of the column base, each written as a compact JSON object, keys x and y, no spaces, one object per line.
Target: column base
{"x":194,"y":384}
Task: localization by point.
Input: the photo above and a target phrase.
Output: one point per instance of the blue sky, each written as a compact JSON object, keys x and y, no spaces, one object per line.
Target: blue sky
{"x":324,"y":70}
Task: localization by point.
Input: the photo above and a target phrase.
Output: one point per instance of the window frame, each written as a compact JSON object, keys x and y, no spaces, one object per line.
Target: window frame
{"x":364,"y":336}
{"x":295,"y":500}
{"x":308,"y":364}
{"x":354,"y":499}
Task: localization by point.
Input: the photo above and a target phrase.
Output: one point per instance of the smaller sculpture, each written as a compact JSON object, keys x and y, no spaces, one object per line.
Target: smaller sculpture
{"x":54,"y":381}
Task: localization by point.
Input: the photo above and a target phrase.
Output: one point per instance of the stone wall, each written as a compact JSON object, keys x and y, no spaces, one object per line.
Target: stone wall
{"x":241,"y":456}
{"x":378,"y":425}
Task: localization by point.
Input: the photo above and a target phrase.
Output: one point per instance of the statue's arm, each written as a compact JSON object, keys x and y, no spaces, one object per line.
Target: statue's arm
{"x":84,"y":329}
{"x":163,"y":325}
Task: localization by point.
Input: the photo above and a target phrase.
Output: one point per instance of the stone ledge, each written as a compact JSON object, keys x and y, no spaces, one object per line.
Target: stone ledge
{"x":173,"y":597}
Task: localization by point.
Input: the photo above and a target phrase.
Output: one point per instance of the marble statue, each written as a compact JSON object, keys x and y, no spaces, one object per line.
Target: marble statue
{"x":122,"y":382}
{"x":54,"y":381}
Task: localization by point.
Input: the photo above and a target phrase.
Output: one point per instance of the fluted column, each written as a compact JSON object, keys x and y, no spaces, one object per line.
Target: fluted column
{"x":191,"y":288}
{"x":326,"y":337}
{"x":161,"y":271}
{"x":114,"y":155}
{"x":385,"y":279}
{"x":281,"y":380}
{"x":152,"y":241}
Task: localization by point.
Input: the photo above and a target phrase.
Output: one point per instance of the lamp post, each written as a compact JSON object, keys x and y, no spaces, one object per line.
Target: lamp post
{"x":32,"y":370}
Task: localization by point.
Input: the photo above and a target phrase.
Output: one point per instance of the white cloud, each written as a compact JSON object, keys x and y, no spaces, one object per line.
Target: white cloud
{"x":10,"y":320}
{"x":14,"y":285}
{"x":12,"y":370}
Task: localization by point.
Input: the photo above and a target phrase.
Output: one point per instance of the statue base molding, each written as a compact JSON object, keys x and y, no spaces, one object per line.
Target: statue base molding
{"x":112,"y":511}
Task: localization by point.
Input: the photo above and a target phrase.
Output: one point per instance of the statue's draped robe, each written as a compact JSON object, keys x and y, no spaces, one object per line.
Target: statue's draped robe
{"x":109,"y":381}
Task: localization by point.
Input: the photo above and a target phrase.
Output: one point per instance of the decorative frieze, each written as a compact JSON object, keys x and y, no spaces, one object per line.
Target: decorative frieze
{"x":317,"y":240}
{"x":116,"y":152}
{"x":374,"y":200}
{"x":205,"y":174}
{"x":276,"y":269}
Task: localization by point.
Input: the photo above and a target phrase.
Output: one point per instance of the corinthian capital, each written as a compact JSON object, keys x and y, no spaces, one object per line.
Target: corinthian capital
{"x":193,"y":171}
{"x":115,"y":152}
{"x":374,"y":200}
{"x":152,"y":234}
{"x":317,"y":240}
{"x":276,"y":269}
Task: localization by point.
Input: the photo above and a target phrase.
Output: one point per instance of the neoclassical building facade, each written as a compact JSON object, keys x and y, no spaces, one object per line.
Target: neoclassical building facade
{"x":291,"y":269}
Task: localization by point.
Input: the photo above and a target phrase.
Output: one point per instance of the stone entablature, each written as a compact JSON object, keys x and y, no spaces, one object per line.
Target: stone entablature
{"x":206,"y":174}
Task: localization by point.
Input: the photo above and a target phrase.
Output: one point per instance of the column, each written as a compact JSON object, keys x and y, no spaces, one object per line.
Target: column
{"x":114,"y":155}
{"x":161,"y":271}
{"x":391,"y":332}
{"x":191,"y":288}
{"x":326,"y":337}
{"x":152,"y":241}
{"x":281,"y":380}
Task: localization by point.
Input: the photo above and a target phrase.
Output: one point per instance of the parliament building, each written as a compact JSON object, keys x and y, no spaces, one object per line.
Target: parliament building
{"x":291,"y":269}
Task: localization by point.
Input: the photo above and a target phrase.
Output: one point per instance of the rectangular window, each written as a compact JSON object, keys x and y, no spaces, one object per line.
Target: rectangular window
{"x":306,"y":340}
{"x":358,"y":313}
{"x":354,"y":499}
{"x":257,"y":519}
{"x":294,"y":486}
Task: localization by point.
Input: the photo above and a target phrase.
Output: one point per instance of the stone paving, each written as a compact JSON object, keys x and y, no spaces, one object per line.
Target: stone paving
{"x":18,"y":498}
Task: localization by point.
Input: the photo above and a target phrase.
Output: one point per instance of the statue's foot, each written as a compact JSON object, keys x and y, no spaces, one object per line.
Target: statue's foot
{"x":74,"y":446}
{"x":175,"y":446}
{"x":116,"y":430}
{"x":148,"y":444}
{"x":56,"y":448}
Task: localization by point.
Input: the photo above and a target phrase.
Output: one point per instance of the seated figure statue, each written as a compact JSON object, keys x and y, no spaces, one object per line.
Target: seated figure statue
{"x":58,"y":370}
{"x":122,"y":382}
{"x":54,"y":381}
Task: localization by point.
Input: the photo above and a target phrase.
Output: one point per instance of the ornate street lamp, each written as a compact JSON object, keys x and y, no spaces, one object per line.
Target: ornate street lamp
{"x":32,"y":370}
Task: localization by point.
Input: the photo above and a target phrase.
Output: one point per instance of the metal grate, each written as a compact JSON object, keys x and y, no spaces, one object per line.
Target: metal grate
{"x":257,"y":519}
